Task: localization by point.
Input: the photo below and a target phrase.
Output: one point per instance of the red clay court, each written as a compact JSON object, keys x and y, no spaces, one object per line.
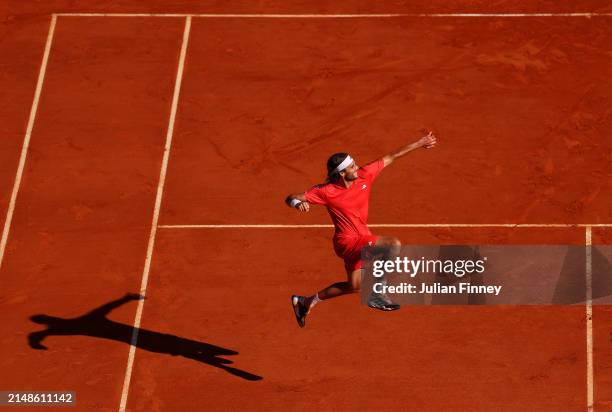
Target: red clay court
{"x":149,"y":149}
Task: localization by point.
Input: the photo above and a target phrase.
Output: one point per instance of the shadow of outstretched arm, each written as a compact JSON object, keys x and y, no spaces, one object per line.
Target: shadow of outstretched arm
{"x":237,"y":372}
{"x":105,"y":309}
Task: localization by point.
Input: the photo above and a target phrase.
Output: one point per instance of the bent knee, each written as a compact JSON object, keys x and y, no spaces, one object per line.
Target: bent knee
{"x":389,"y":241}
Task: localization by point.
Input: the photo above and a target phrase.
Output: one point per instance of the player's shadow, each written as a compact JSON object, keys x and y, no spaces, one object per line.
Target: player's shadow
{"x":96,"y":324}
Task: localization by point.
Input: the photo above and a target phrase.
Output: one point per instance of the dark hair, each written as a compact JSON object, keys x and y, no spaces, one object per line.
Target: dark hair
{"x":332,"y":163}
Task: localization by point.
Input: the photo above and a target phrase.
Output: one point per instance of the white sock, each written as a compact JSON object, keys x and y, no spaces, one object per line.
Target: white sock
{"x":315,"y":300}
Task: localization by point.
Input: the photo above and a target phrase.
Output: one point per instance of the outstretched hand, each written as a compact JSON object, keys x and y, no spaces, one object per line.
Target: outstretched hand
{"x":133,"y":296}
{"x":303,"y":207}
{"x":428,"y":141}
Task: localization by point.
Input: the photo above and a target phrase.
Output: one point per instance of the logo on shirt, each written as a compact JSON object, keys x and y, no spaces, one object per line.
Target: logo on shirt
{"x":363,"y":187}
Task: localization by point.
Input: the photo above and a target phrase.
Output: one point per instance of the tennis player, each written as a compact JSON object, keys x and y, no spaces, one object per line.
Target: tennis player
{"x":346,"y":195}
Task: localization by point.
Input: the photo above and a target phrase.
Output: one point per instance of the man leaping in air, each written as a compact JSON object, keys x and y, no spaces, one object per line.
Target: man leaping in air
{"x":346,"y":195}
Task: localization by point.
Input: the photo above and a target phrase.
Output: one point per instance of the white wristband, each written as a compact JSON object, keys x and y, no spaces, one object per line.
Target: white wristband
{"x":295,"y":202}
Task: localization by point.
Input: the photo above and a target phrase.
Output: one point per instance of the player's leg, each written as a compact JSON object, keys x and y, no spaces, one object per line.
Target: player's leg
{"x":351,"y":285}
{"x":352,"y":265}
{"x":389,"y":247}
{"x":303,"y":304}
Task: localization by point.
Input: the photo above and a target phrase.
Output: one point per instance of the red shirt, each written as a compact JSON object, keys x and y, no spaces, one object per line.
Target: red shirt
{"x":348,"y":207}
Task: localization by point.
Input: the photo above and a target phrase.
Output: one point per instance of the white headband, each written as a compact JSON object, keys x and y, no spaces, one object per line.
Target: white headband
{"x":345,"y":163}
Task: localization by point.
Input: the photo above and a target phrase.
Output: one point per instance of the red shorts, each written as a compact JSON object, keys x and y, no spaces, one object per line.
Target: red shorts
{"x":349,"y":249}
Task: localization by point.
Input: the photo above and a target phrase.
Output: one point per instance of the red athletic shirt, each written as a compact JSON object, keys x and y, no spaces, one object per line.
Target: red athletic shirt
{"x":348,"y":208}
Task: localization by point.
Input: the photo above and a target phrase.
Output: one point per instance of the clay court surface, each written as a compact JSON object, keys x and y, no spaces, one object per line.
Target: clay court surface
{"x":248,"y":108}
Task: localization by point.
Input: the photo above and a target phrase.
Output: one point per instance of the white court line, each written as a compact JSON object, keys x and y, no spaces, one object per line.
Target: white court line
{"x":589,"y":316}
{"x":398,"y":225}
{"x":158,"y":201}
{"x":334,"y":16}
{"x":26,"y":139}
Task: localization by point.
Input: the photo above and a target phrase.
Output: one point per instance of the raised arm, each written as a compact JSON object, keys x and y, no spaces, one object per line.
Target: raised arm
{"x":427,"y":142}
